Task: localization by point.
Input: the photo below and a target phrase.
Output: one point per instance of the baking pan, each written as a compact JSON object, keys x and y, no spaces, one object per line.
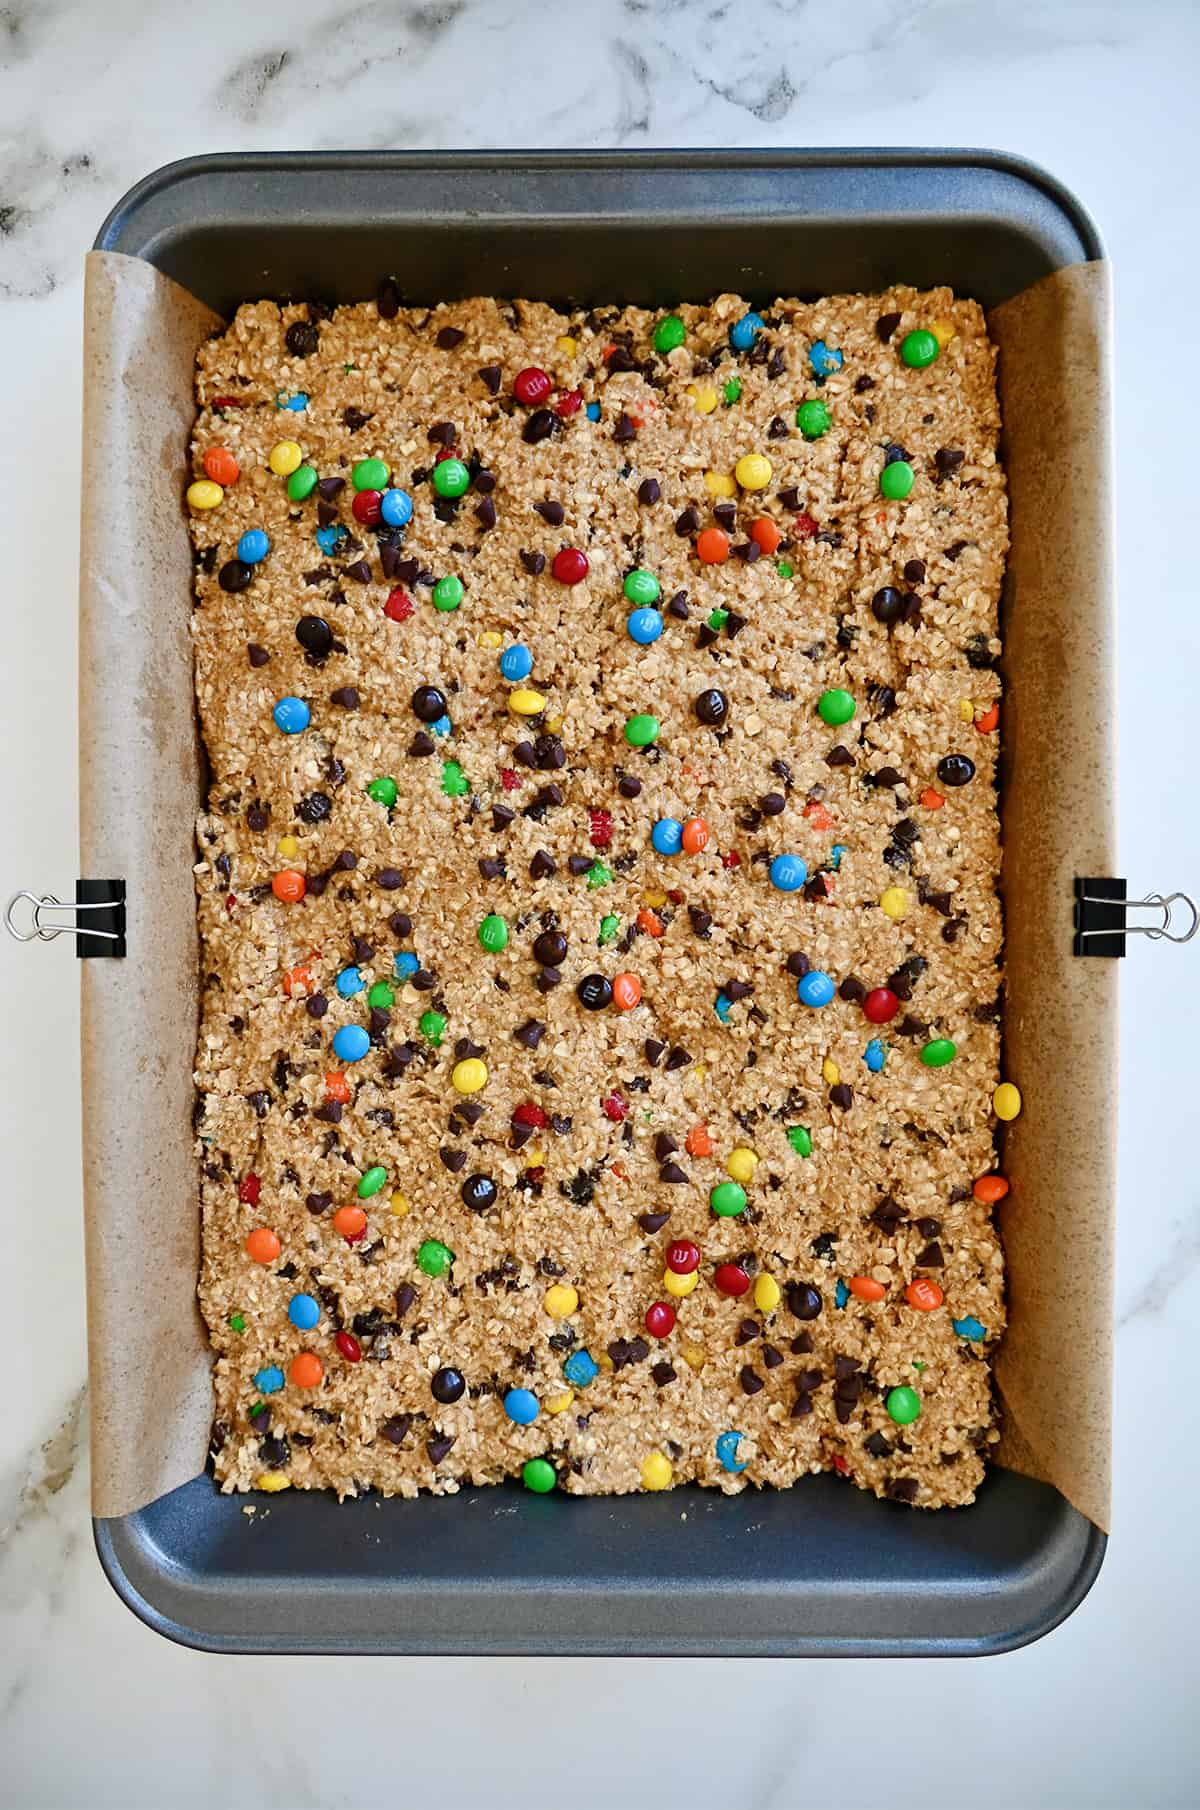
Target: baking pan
{"x":821,"y":1569}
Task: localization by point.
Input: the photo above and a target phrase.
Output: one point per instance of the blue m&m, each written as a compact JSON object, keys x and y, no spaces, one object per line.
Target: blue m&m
{"x":788,"y":873}
{"x":303,"y":1312}
{"x":291,"y":715}
{"x":581,"y":1368}
{"x":351,"y":1043}
{"x":254,"y":546}
{"x":875,"y":1055}
{"x":406,"y":965}
{"x":727,"y":1451}
{"x":349,"y":982}
{"x":330,"y":539}
{"x":667,"y":836}
{"x":825,"y":360}
{"x":592,"y":411}
{"x":815,"y":988}
{"x":644,"y":626}
{"x":516,"y":663}
{"x":396,"y":507}
{"x":521,"y":1406}
{"x":269,"y":1381}
{"x":743,"y":333}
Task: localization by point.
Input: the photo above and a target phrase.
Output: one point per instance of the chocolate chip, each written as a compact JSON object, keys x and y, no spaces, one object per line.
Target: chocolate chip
{"x":956,"y":769}
{"x":551,"y":512}
{"x":771,"y":1357}
{"x":629,"y":786}
{"x":316,"y":1005}
{"x":914,"y":571}
{"x":931,"y":1258}
{"x":747,"y":1331}
{"x":387,"y":301}
{"x":778,"y":429}
{"x":886,"y":325}
{"x":672,"y":1175}
{"x":234,"y":576}
{"x":663,"y":1373}
{"x":389,"y":878}
{"x":649,"y":491}
{"x":803,"y":1299}
{"x":485,"y":513}
{"x":801,"y":1406}
{"x":798,"y":964}
{"x":530,"y":1033}
{"x":688,"y":522}
{"x":839,"y":757}
{"x":947,"y":460}
{"x":258,"y":816}
{"x":345,"y":697}
{"x":502,"y":816}
{"x":852,"y":989}
{"x":954,"y":550}
{"x":421,"y":745}
{"x":302,"y":339}
{"x":491,"y":375}
{"x":677,"y":606}
{"x":652,"y":1049}
{"x":711,"y":708}
{"x":678,"y":1058}
{"x":737,"y":989}
{"x":449,"y":337}
{"x":439,"y":1447}
{"x":548,"y":979}
{"x":354,"y":419}
{"x":397,"y":1429}
{"x":750,"y":1380}
{"x":534,"y":563}
{"x":318,"y":1203}
{"x":492,"y":868}
{"x":653,"y":1222}
{"x":626,"y":428}
{"x":314,"y":808}
{"x":540,"y":425}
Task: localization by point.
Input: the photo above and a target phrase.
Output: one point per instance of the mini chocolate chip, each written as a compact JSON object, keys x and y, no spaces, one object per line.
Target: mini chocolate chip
{"x":449,"y":337}
{"x":439,"y":1447}
{"x":629,"y":786}
{"x":492,"y":376}
{"x":649,"y":491}
{"x":548,"y":979}
{"x":400,"y":924}
{"x":653,"y":1222}
{"x":502,"y":816}
{"x":491,"y":868}
{"x":678,"y":1058}
{"x":345,"y":697}
{"x":852,"y":989}
{"x":397,"y":1428}
{"x":387,"y":300}
{"x":672,"y":1174}
{"x":914,"y":571}
{"x":485,"y":513}
{"x":534,"y":563}
{"x":886,"y":325}
{"x":663,"y":1373}
{"x":551,"y":512}
{"x":839,"y":757}
{"x":947,"y":459}
{"x":454,"y":1160}
{"x":842,"y":1096}
{"x":316,"y":1005}
{"x":688,"y":522}
{"x":771,"y":1357}
{"x":421,"y":745}
{"x":389,"y":878}
{"x":929,"y":1227}
{"x":540,"y":425}
{"x":750,"y":1380}
{"x":302,"y":339}
{"x":798,"y":964}
{"x":652,"y":1049}
{"x":931,"y":1258}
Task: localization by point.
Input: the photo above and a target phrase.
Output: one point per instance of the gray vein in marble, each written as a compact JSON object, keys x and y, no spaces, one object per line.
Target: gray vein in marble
{"x":40,"y":1511}
{"x":1179,"y":1260}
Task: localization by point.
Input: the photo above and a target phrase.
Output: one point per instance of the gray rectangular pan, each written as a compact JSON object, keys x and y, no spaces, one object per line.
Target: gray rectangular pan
{"x":820,"y":1569}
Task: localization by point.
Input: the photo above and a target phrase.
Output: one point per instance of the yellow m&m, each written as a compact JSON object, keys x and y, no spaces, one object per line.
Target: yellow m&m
{"x":753,"y":471}
{"x":284,"y":458}
{"x":204,"y":494}
{"x":469,"y":1075}
{"x":656,"y":1471}
{"x":560,"y":1299}
{"x":1006,"y":1101}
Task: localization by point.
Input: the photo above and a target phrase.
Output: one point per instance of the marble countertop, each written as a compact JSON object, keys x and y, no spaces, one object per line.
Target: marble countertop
{"x":94,"y":1709}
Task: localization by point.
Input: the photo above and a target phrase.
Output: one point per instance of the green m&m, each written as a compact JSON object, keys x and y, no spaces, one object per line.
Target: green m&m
{"x":538,"y":1475}
{"x":383,"y":790}
{"x":904,"y":1405}
{"x":451,"y":478}
{"x":302,"y":483}
{"x":369,"y":474}
{"x":371,"y":1181}
{"x":432,"y":1026}
{"x":669,"y":333}
{"x":641,"y":730}
{"x":447,"y":593}
{"x":727,"y":1200}
{"x":813,"y":419}
{"x":938,"y":1053}
{"x":800,"y":1138}
{"x":919,"y":348}
{"x":434,"y":1258}
{"x":642,"y":587}
{"x":381,"y":998}
{"x":896,"y":480}
{"x":835,"y":707}
{"x":493,"y":933}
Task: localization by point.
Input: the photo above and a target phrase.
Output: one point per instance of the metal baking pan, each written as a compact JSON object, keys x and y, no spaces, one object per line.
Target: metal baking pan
{"x":820,"y":1569}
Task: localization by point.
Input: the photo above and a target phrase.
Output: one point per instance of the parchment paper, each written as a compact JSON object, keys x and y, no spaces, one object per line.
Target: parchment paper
{"x":140,"y":784}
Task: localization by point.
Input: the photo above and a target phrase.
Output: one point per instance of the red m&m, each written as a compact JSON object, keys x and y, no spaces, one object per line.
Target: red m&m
{"x":683,"y":1256}
{"x":531,"y":386}
{"x":880,"y":1006}
{"x":570,"y":566}
{"x":731,"y":1279}
{"x":660,"y":1319}
{"x":367,"y":507}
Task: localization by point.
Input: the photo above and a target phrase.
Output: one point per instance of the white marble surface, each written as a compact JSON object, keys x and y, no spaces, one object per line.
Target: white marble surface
{"x":94,"y":1710}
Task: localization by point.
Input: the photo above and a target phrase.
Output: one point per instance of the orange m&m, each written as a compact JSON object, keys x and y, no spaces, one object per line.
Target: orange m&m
{"x":766,"y":534}
{"x":288,"y":886}
{"x":990,"y":1188}
{"x":698,"y":1142}
{"x":712,"y":547}
{"x":262,"y":1245}
{"x":337,"y":1088}
{"x":866,"y":1288}
{"x":924,"y":1295}
{"x":306,"y":1370}
{"x":221,"y":466}
{"x":695,"y":835}
{"x":626,"y":991}
{"x":350,"y":1222}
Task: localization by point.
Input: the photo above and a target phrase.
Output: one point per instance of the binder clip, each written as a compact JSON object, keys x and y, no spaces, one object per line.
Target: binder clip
{"x":100,"y":932}
{"x":1103,"y":921}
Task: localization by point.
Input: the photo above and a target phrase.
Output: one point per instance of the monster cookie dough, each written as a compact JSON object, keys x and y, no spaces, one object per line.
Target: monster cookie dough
{"x":601,"y":943}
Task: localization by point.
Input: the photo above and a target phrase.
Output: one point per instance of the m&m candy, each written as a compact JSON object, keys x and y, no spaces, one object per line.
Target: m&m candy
{"x":669,"y":333}
{"x":569,"y":566}
{"x":815,"y":988}
{"x":254,"y":546}
{"x":370,"y":474}
{"x":667,"y":836}
{"x":451,"y":479}
{"x":813,"y":419}
{"x":521,"y":1406}
{"x":641,"y":587}
{"x":351,"y":1043}
{"x":904,"y":1405}
{"x":516,"y":663}
{"x":727,"y":1200}
{"x":788,"y":873}
{"x":291,"y":715}
{"x":919,"y":348}
{"x":644,"y":626}
{"x":304,"y":1312}
{"x":395,"y":508}
{"x":539,"y":1475}
{"x":204,"y":494}
{"x":744,"y":332}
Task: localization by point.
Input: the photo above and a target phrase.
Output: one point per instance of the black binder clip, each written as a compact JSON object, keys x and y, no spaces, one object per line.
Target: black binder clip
{"x":100,"y":932}
{"x":1102,"y":917}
